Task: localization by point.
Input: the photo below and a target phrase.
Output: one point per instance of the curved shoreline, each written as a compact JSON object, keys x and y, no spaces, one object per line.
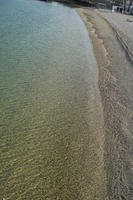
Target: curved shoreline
{"x":115,"y":76}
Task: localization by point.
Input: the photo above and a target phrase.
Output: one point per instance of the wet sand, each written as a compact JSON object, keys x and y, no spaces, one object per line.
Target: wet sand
{"x":116,"y":88}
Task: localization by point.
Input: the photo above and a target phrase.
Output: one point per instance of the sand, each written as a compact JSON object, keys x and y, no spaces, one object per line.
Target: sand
{"x":116,"y":89}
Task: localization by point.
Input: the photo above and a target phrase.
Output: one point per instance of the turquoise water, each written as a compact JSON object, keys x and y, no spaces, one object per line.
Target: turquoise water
{"x":48,"y":75}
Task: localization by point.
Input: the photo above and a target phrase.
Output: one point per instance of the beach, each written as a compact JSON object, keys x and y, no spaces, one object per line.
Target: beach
{"x":66,"y":107}
{"x":112,"y":44}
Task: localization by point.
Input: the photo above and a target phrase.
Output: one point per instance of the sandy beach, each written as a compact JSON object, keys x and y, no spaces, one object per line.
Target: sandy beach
{"x":66,"y":106}
{"x":112,"y":43}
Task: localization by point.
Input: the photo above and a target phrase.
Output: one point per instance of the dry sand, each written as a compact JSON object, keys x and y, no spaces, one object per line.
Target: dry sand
{"x":116,"y":87}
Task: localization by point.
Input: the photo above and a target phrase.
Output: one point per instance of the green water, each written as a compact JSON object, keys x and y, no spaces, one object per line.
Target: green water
{"x":48,"y":105}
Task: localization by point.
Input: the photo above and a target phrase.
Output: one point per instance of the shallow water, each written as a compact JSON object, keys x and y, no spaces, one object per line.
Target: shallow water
{"x":50,"y":112}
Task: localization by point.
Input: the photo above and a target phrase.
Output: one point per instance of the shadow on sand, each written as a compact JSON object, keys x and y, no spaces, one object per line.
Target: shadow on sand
{"x":70,"y":3}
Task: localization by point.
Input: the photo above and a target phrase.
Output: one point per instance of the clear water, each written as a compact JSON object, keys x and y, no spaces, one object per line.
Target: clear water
{"x":48,"y":79}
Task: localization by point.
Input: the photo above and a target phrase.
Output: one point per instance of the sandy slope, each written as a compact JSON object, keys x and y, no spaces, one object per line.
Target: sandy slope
{"x":123,"y":24}
{"x":116,"y":87}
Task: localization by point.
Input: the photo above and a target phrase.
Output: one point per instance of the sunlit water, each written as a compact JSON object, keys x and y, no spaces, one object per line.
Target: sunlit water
{"x":50,"y":117}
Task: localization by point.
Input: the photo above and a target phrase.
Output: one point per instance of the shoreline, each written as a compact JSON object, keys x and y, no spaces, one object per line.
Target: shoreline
{"x":114,"y":69}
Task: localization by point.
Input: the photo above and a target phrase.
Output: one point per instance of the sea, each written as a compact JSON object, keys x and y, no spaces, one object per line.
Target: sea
{"x":49,"y":105}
